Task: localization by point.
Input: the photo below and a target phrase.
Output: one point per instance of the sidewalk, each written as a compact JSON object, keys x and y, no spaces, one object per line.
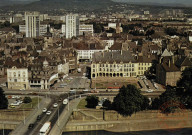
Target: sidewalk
{"x":64,"y":117}
{"x":22,"y":128}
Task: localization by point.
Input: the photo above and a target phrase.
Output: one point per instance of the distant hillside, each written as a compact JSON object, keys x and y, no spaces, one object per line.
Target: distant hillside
{"x":173,"y":3}
{"x":10,"y":2}
{"x":45,"y":5}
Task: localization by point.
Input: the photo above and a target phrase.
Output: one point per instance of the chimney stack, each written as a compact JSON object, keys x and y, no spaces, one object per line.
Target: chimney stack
{"x":173,"y":59}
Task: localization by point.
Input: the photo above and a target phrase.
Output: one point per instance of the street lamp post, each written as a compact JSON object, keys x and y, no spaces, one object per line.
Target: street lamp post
{"x":24,"y":117}
{"x":3,"y":129}
{"x":38,"y":101}
{"x":58,"y":116}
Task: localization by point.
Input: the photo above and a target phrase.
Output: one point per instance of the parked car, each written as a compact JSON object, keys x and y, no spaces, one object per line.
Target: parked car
{"x":48,"y":112}
{"x":55,"y":105}
{"x":11,"y":106}
{"x":85,"y":90}
{"x":44,"y":110}
{"x":72,"y":91}
{"x":149,"y":90}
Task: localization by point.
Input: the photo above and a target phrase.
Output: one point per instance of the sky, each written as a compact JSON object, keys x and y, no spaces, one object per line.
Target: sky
{"x":185,"y":2}
{"x":160,"y":1}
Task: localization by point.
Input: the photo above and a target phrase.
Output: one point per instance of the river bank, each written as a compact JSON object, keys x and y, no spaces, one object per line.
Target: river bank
{"x":185,"y":131}
{"x":92,"y":119}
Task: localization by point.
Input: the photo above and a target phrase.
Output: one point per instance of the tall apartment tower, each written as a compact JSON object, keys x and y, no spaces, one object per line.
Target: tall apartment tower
{"x":32,"y":22}
{"x":72,"y":25}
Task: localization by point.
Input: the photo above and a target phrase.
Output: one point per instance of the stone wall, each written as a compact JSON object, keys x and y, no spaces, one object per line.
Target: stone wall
{"x":13,"y":115}
{"x":145,"y":120}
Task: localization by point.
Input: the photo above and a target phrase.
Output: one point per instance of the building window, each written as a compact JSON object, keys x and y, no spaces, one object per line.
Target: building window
{"x":15,"y":80}
{"x":14,"y":74}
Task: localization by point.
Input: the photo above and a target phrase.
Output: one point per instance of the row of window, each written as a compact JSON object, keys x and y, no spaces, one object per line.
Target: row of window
{"x":144,"y":64}
{"x":115,"y":70}
{"x":114,"y":65}
{"x":15,"y":80}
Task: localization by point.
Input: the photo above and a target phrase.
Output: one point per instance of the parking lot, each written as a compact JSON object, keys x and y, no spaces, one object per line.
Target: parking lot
{"x":73,"y":82}
{"x":149,"y":85}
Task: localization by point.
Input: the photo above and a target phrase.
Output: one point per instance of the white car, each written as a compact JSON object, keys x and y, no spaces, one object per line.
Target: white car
{"x":48,"y":112}
{"x":85,"y":90}
{"x":65,"y":101}
{"x":44,"y":110}
{"x":55,"y":105}
{"x":150,"y":90}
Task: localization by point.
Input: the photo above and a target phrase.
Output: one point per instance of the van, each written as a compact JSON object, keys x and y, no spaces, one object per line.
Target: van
{"x":65,"y":101}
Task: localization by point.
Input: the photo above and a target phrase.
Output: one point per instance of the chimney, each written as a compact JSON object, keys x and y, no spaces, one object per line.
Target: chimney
{"x":173,"y":59}
{"x":136,"y":57}
{"x":160,"y":60}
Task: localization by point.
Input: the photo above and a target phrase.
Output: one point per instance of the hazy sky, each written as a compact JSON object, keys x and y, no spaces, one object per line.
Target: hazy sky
{"x":153,"y":1}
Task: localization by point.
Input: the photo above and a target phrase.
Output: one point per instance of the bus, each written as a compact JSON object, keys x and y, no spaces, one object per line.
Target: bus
{"x":45,"y":128}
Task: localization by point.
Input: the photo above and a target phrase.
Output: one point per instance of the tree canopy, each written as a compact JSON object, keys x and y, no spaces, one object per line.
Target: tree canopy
{"x":129,"y":100}
{"x":27,"y":100}
{"x":185,"y":87}
{"x":107,"y":104}
{"x":3,"y":100}
{"x":92,"y":101}
{"x":182,"y":94}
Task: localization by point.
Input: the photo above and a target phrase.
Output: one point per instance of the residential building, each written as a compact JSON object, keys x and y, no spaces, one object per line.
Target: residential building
{"x":32,"y":22}
{"x":118,"y":64}
{"x":166,"y":72}
{"x":72,"y":25}
{"x":84,"y":28}
{"x":42,"y":29}
{"x":17,"y":78}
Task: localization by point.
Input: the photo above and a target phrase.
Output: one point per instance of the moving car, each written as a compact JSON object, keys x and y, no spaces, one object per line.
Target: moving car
{"x":38,"y":117}
{"x":65,"y":101}
{"x":55,"y":105}
{"x":48,"y":112}
{"x":44,"y":110}
{"x":31,"y":126}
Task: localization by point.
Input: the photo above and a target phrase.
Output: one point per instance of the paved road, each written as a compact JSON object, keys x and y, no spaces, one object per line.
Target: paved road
{"x":23,"y":126}
{"x":64,"y":117}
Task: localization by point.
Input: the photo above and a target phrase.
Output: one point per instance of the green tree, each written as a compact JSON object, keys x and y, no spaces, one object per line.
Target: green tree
{"x":171,"y":31}
{"x":186,"y":80}
{"x":27,"y":100}
{"x":107,"y":104}
{"x":170,"y":96}
{"x":92,"y":101}
{"x":3,"y":100}
{"x":129,"y":100}
{"x":155,"y":104}
{"x":185,"y":87}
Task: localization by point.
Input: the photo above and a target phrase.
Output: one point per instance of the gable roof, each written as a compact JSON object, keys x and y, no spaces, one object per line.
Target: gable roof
{"x":166,"y":53}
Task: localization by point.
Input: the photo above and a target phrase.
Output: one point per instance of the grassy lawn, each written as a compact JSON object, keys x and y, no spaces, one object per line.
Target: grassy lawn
{"x":82,"y":104}
{"x":32,"y":104}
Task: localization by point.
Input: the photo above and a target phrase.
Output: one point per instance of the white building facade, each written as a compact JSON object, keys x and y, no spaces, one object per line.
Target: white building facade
{"x":85,"y":28}
{"x":42,"y":29}
{"x":72,"y":25}
{"x":32,"y":22}
{"x":17,"y":78}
